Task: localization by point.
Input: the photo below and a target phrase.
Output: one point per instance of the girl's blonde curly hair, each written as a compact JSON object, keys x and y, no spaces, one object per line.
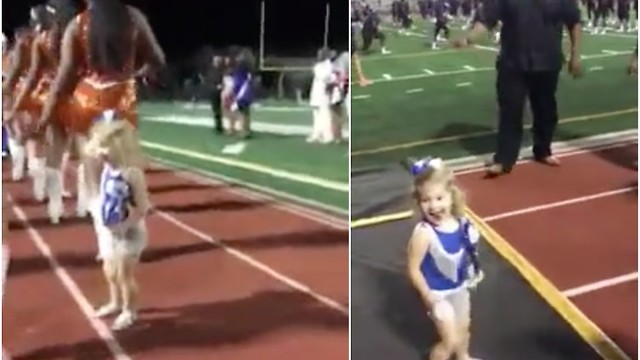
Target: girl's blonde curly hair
{"x":441,"y":174}
{"x":120,"y":141}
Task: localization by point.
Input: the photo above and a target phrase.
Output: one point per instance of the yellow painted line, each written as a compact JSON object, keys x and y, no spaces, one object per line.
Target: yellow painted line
{"x":478,"y":134}
{"x":381,"y":219}
{"x":588,"y":331}
{"x":258,"y":168}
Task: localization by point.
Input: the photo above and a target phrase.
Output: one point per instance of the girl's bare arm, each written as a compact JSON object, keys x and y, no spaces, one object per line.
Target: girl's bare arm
{"x":65,"y":75}
{"x":34,"y":69}
{"x":416,"y":251}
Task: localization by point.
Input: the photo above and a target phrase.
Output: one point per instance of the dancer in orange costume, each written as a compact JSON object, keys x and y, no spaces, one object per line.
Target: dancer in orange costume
{"x":100,"y":50}
{"x":19,"y":58}
{"x":45,"y":55}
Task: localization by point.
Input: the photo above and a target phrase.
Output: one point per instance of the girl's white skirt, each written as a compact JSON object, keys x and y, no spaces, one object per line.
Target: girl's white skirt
{"x":127,"y":245}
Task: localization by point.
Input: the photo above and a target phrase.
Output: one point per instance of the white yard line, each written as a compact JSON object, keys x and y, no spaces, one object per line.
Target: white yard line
{"x":463,"y":84}
{"x":427,"y":71}
{"x":413,"y":91}
{"x":482,"y":69}
{"x":360,"y":97}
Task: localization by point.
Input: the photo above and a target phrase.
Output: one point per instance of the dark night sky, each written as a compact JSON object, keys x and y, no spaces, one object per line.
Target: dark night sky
{"x":294,"y":27}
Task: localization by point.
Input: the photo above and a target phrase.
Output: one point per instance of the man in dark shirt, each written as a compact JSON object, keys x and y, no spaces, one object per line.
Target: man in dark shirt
{"x":214,"y":84}
{"x":442,"y":20}
{"x":528,"y":64}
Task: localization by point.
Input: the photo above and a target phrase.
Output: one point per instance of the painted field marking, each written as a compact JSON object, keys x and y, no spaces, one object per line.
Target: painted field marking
{"x":420,"y":76}
{"x":256,"y":264}
{"x":387,"y":76}
{"x":103,"y":331}
{"x":477,"y":134}
{"x":481,"y":69}
{"x":488,"y":48}
{"x":413,"y":91}
{"x":587,"y":329}
{"x":595,"y":68}
{"x":427,"y":71}
{"x":255,"y":167}
{"x":600,"y":285}
{"x":611,"y":52}
{"x":469,"y":67}
{"x":557,"y":204}
{"x":360,"y":97}
{"x":463,"y":84}
{"x":560,"y":153}
{"x":411,"y":55}
{"x":476,"y":168}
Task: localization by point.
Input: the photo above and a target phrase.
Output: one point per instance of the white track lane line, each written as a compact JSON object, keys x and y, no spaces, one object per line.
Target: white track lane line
{"x":553,"y":205}
{"x":480,"y":168}
{"x":287,"y":206}
{"x":599,"y":285}
{"x":105,"y":334}
{"x":256,"y":264}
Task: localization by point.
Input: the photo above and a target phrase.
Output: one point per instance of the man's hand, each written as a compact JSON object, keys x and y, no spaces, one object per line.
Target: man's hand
{"x":574,"y":67}
{"x":461,"y":42}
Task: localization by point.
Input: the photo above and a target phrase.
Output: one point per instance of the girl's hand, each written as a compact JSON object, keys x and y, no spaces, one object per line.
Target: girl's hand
{"x":475,"y":280}
{"x":431,"y":301}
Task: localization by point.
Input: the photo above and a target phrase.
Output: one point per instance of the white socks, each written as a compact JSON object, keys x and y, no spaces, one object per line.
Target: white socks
{"x":55,"y":206}
{"x":39,"y":173}
{"x":18,"y":157}
{"x":83,"y":194}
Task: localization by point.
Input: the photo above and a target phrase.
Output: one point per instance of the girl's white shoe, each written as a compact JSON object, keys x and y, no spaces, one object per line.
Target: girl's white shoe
{"x":124,"y":320}
{"x":106,"y":310}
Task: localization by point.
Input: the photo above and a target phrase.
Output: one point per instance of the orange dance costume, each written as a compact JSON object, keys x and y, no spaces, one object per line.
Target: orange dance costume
{"x":49,"y":60}
{"x":23,"y":64}
{"x":98,"y":91}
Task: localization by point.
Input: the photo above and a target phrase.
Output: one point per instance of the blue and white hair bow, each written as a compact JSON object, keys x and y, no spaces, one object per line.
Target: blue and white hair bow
{"x":428,"y":163}
{"x":106,"y":116}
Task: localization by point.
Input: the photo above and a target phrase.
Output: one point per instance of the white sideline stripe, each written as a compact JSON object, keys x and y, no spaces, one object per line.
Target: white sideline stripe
{"x":412,"y":91}
{"x":105,"y":334}
{"x":599,"y":285}
{"x":256,"y":264}
{"x":560,"y":203}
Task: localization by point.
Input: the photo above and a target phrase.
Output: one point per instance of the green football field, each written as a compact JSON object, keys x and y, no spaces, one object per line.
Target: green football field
{"x":277,"y":158}
{"x":442,"y":102}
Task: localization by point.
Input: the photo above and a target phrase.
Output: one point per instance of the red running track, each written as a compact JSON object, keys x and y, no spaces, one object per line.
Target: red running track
{"x":280,"y":287}
{"x":577,"y":224}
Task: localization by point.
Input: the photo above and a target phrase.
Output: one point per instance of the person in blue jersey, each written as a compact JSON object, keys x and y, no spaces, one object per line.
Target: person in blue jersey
{"x":442,"y":260}
{"x":241,"y":96}
{"x":120,"y":216}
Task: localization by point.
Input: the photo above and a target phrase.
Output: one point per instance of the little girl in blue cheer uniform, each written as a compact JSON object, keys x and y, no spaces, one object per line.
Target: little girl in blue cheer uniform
{"x":120,"y":216}
{"x":442,"y":257}
{"x":241,"y":95}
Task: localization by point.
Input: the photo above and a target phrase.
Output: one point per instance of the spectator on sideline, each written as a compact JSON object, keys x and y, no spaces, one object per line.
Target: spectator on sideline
{"x":528,"y":71}
{"x":213,"y":82}
{"x":320,"y":98}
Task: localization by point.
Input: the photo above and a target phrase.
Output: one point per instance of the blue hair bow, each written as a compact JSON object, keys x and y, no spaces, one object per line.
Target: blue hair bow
{"x":428,"y":163}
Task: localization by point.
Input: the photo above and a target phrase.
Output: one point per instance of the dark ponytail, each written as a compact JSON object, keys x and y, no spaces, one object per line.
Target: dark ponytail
{"x":110,"y":35}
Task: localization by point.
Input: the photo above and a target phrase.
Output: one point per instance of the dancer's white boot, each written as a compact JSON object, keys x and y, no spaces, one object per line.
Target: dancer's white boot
{"x":18,"y":159}
{"x":55,"y":206}
{"x":82,"y":206}
{"x":38,"y":172}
